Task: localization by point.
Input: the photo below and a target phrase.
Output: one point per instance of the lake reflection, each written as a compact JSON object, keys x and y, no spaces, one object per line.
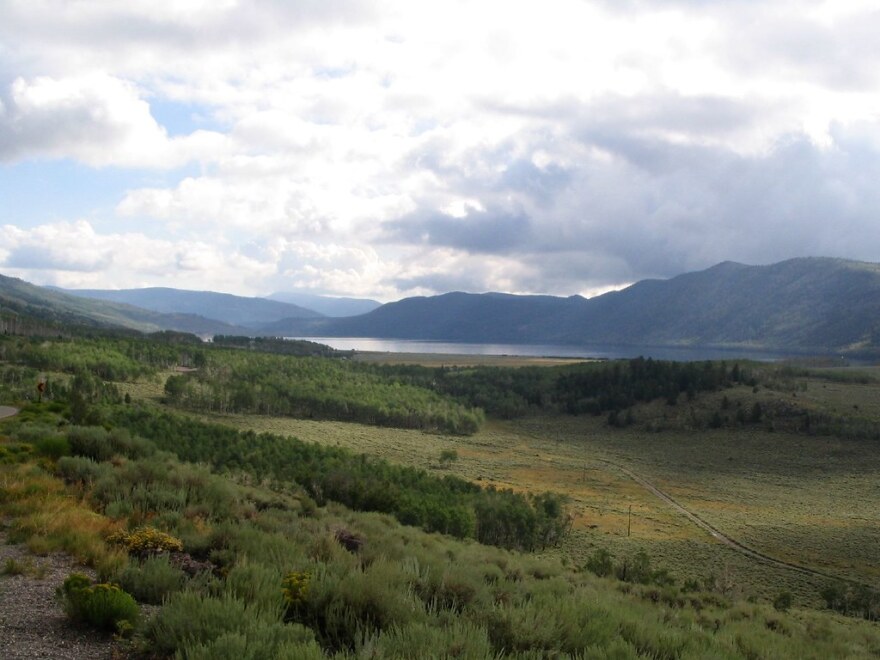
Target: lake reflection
{"x":684,"y":354}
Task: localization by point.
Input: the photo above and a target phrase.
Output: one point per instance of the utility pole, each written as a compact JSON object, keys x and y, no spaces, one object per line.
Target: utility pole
{"x":629,"y":521}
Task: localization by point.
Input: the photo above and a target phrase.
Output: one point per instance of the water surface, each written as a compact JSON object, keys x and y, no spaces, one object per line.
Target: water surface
{"x":683,"y":354}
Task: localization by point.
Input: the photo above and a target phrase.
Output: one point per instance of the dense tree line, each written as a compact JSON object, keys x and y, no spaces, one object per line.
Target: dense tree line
{"x":318,"y":388}
{"x":443,"y":504}
{"x":444,"y":399}
{"x":280,"y":346}
{"x":109,"y":358}
{"x":592,"y":388}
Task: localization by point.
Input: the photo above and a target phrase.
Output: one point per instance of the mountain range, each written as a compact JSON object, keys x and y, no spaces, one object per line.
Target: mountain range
{"x":804,"y":304}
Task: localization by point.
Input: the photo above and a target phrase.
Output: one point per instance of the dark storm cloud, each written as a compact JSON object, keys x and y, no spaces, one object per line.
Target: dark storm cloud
{"x":695,"y":206}
{"x":478,"y":231}
{"x":651,"y":207}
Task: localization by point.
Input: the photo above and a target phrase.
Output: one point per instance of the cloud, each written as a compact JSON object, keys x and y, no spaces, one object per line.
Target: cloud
{"x":97,"y":119}
{"x":73,"y":254}
{"x":392,"y":147}
{"x":477,"y":231}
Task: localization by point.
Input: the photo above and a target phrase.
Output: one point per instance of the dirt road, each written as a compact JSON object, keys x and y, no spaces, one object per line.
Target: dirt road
{"x":723,"y":538}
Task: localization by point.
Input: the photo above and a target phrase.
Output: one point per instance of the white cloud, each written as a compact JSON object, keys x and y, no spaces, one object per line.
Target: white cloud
{"x":97,"y":119}
{"x":395,"y":146}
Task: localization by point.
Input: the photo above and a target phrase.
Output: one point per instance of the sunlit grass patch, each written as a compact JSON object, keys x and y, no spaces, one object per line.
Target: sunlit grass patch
{"x":47,"y":518}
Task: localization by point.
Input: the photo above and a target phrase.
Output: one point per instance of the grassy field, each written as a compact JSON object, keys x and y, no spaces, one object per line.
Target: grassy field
{"x":812,"y":500}
{"x":809,"y":500}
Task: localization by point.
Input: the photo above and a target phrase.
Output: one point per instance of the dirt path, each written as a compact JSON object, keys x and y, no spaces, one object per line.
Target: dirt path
{"x":7,"y":411}
{"x":723,"y":538}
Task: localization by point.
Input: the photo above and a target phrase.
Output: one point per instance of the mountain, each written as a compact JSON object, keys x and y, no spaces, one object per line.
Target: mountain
{"x":224,"y":307}
{"x":327,"y":305}
{"x":799,"y":304}
{"x":807,"y":304}
{"x":454,"y":316}
{"x":20,"y":299}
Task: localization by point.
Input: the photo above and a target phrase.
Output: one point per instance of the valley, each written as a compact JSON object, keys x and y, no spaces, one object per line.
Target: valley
{"x":696,"y":509}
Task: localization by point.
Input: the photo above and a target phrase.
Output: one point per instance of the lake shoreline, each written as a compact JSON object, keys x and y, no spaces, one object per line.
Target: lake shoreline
{"x":562,"y":352}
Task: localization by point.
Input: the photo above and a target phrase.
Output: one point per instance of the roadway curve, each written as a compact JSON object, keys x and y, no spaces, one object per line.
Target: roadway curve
{"x":723,"y":538}
{"x":7,"y":411}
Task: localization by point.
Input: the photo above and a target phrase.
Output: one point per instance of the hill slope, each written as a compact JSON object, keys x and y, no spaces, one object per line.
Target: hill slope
{"x":235,"y":310}
{"x":20,"y":298}
{"x":807,"y":304}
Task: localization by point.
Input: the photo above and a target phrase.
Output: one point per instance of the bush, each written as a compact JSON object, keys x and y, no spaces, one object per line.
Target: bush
{"x":146,"y":541}
{"x":295,"y":588}
{"x":420,"y":640}
{"x":153,"y":580}
{"x":102,"y":606}
{"x":91,"y":442}
{"x":601,"y":563}
{"x":783,"y":601}
{"x":265,"y":640}
{"x":195,"y":625}
{"x":81,"y":470}
{"x":257,"y":585}
{"x":101,"y":445}
{"x":15,"y":453}
{"x":54,"y":446}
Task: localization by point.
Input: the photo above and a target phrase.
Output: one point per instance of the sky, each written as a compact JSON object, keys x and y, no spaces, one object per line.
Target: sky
{"x":389,"y":149}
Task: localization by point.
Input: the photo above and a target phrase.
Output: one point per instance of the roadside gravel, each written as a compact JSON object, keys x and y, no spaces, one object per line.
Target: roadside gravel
{"x":32,"y":622}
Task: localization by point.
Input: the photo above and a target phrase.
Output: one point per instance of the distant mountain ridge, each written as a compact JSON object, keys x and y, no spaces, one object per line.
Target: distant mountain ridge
{"x":810,"y":303}
{"x":28,"y":301}
{"x":805,"y":304}
{"x":239,"y":311}
{"x":327,"y":305}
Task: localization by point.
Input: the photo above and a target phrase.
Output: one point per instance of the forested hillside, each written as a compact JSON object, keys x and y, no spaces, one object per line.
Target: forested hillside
{"x":22,"y":303}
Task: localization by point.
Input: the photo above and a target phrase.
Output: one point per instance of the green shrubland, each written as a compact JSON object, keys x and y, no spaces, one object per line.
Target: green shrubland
{"x":259,"y":545}
{"x":274,"y":579}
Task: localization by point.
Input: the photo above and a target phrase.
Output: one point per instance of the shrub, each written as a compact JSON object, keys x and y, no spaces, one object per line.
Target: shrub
{"x":344,"y":608}
{"x":90,"y":441}
{"x":54,"y":446}
{"x":637,"y":569}
{"x":448,"y":456}
{"x":152,"y":580}
{"x":81,"y":470}
{"x":257,"y":586}
{"x":264,"y":640}
{"x":601,"y":563}
{"x":15,"y":453}
{"x":783,"y":601}
{"x":101,"y":445}
{"x":146,"y":541}
{"x":421,"y":640}
{"x":195,"y":625}
{"x":295,"y":588}
{"x":102,"y":606}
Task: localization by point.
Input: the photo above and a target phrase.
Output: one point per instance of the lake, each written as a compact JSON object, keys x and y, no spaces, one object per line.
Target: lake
{"x":683,"y":354}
